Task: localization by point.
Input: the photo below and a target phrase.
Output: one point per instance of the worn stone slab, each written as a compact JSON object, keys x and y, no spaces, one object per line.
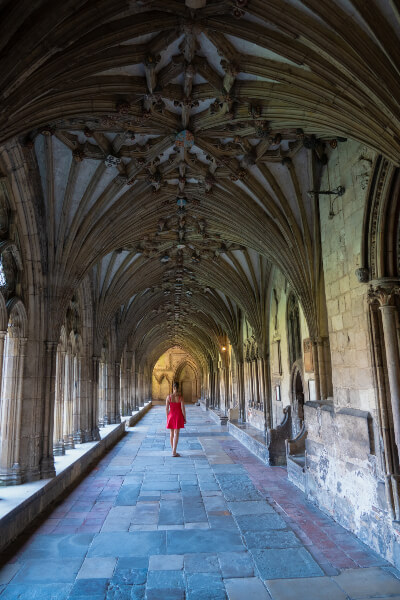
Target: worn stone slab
{"x":271,"y":539}
{"x":167,"y":562}
{"x":58,"y":546}
{"x":168,"y":580}
{"x":55,"y":591}
{"x":201,"y":563}
{"x":205,"y":586}
{"x":222,"y":522}
{"x":237,"y":487}
{"x":250,"y":507}
{"x":211,"y":540}
{"x":55,"y":571}
{"x":171,"y":512}
{"x":285,"y":563}
{"x":89,"y":587}
{"x":250,"y":588}
{"x":128,"y":495}
{"x":315,"y":588}
{"x":165,"y":594}
{"x":260,"y":522}
{"x":236,"y":564}
{"x":135,"y":543}
{"x":118,"y":519}
{"x":95,"y":568}
{"x":364,"y":583}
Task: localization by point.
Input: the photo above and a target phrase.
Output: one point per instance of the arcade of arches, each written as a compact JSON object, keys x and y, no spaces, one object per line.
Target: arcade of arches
{"x":206,"y":190}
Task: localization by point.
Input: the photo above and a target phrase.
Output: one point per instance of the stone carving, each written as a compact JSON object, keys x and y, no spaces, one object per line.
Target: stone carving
{"x":362,"y":274}
{"x":112,"y":161}
{"x":384,"y":293}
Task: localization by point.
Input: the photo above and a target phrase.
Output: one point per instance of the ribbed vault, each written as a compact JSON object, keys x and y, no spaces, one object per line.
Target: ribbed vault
{"x":169,"y":152}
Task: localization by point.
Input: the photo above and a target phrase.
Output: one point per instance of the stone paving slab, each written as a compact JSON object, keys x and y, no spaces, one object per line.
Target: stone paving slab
{"x":321,"y":588}
{"x":215,"y":524}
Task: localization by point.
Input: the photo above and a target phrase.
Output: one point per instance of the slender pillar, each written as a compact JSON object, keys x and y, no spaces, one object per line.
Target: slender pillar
{"x":316,"y":370}
{"x":47,"y":468}
{"x":266,"y":391}
{"x":393,"y":364}
{"x":129,"y":407}
{"x":10,"y":424}
{"x":241,"y":391}
{"x":117,"y":393}
{"x":58,"y":442}
{"x":322,"y":371}
{"x":94,"y":423}
{"x":77,"y":400}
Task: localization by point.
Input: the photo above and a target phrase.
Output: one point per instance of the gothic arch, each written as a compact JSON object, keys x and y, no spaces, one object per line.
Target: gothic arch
{"x":380,"y":249}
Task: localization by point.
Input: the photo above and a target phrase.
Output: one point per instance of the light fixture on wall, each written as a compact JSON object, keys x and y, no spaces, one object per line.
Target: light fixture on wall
{"x":223,"y":348}
{"x":332,"y":193}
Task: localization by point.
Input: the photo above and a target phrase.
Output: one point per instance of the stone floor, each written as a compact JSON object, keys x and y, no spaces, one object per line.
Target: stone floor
{"x":210,"y":525}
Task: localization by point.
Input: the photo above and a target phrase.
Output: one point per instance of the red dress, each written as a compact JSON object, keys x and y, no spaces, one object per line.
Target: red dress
{"x":175,"y":418}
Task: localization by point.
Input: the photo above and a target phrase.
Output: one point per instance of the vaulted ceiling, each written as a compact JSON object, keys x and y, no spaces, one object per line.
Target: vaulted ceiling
{"x":171,"y":145}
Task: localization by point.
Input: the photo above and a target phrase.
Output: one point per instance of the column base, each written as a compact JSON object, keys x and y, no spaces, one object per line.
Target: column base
{"x":47,"y":468}
{"x":59,"y":448}
{"x":78,"y":437}
{"x":69,"y":442}
{"x":96,"y":434}
{"x":11,"y":476}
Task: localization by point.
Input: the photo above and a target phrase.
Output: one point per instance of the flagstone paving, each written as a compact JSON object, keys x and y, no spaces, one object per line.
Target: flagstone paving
{"x":213,"y":524}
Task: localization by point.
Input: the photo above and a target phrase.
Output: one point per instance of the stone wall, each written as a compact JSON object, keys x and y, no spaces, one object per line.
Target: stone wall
{"x":343,"y":474}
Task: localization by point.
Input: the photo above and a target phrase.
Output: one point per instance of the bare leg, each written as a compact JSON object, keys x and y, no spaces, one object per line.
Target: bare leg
{"x":176,"y":438}
{"x":171,"y":437}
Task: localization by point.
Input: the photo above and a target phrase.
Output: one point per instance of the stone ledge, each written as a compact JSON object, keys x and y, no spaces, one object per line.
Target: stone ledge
{"x":217,"y":416}
{"x":22,"y":504}
{"x":296,"y":471}
{"x":131,"y":420}
{"x":253,"y":439}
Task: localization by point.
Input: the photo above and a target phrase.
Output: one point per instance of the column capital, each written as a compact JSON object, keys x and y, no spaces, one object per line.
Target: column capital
{"x":384,"y":291}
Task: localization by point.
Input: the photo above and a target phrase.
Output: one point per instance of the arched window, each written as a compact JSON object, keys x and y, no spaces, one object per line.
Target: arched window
{"x":293,"y":329}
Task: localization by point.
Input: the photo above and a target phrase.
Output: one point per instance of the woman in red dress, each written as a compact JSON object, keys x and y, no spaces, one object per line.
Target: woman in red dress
{"x":176,"y":416}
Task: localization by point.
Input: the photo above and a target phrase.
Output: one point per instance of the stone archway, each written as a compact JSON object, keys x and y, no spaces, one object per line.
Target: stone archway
{"x":297,"y":388}
{"x":188,"y":381}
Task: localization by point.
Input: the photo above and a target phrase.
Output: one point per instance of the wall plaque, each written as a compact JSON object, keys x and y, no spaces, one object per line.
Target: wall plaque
{"x":276,"y":358}
{"x":308,"y":356}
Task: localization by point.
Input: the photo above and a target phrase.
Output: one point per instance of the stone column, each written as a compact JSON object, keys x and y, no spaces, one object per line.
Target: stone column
{"x":266,"y":391}
{"x":58,"y":442}
{"x":94,"y":422}
{"x":316,"y":370}
{"x":241,"y":393}
{"x":10,"y":472}
{"x":385,"y":292}
{"x":47,"y":468}
{"x":68,"y":403}
{"x":77,"y":400}
{"x":129,"y":391}
{"x":117,"y":393}
{"x":322,"y":373}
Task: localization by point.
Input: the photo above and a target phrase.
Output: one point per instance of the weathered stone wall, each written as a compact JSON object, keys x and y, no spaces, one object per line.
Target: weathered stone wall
{"x":343,"y":474}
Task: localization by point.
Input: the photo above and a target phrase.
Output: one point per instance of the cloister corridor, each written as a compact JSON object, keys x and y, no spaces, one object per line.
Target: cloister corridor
{"x":214,"y":523}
